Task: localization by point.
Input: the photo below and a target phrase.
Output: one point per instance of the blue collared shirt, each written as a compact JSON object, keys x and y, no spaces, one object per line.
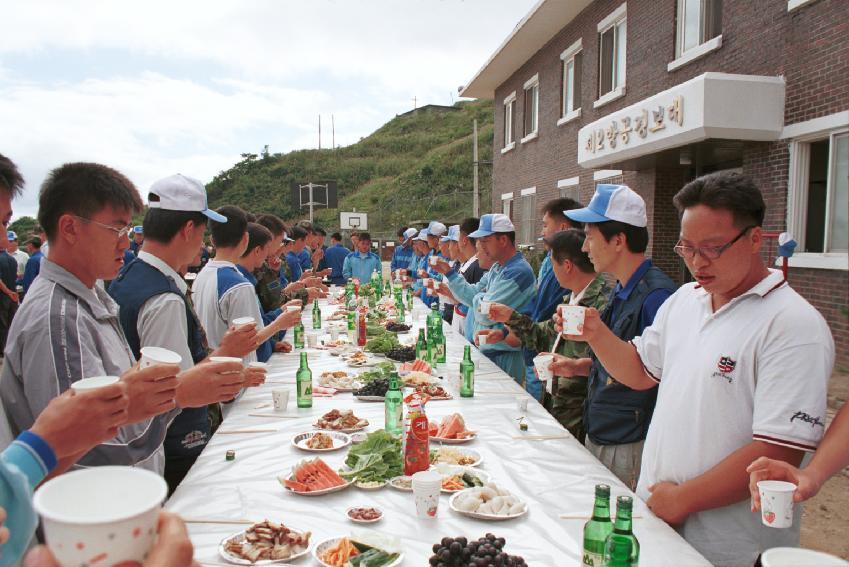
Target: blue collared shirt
{"x":652,"y":302}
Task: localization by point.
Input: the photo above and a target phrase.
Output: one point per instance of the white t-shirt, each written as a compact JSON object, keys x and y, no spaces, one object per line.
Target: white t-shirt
{"x":755,"y":370}
{"x":458,"y":322}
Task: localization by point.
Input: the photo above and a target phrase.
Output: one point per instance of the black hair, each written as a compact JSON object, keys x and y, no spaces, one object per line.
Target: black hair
{"x":336,"y":236}
{"x":566,"y":245}
{"x":401,"y":231}
{"x":469,"y":225}
{"x":365,"y":236}
{"x":555,"y":209}
{"x":320,"y":230}
{"x":11,"y":180}
{"x":229,"y":234}
{"x":161,"y":225}
{"x":272,"y":223}
{"x":307,"y":226}
{"x":250,"y":216}
{"x":636,"y":237}
{"x":35,"y":241}
{"x":258,"y":236}
{"x":298,"y":232}
{"x":728,"y":190}
{"x":84,"y":189}
{"x":511,"y":235}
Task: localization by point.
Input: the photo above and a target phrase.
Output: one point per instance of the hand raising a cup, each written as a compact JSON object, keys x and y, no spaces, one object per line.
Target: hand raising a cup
{"x":499,"y":312}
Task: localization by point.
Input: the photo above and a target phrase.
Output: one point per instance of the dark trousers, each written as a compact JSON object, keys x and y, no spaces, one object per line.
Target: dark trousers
{"x":7,"y":312}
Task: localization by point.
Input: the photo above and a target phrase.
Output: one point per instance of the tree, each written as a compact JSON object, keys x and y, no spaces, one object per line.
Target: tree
{"x":24,"y":227}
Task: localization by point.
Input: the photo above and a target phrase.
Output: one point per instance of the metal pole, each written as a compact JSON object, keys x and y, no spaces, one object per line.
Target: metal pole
{"x":333,"y":130}
{"x":319,"y":140}
{"x":476,"y":206}
{"x":310,"y":185}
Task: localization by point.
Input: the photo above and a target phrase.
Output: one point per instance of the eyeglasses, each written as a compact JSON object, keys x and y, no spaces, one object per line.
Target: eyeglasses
{"x":119,"y":232}
{"x":708,"y":252}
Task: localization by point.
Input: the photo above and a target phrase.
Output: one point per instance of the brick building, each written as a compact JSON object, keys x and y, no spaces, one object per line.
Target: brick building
{"x":654,"y":93}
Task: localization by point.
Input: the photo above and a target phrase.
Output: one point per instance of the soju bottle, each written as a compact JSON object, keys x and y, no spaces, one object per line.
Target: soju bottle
{"x":400,"y":312}
{"x":352,"y":320}
{"x":299,"y":335}
{"x":410,"y":298}
{"x":621,"y":549}
{"x":349,"y":291}
{"x":439,"y":343}
{"x":597,"y":528}
{"x":421,"y":346}
{"x":467,"y":374}
{"x":316,"y":315}
{"x":303,"y":380}
{"x":394,"y":407}
{"x":433,"y":318}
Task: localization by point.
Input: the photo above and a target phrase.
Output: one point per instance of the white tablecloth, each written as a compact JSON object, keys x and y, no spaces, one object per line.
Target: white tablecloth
{"x":553,"y":476}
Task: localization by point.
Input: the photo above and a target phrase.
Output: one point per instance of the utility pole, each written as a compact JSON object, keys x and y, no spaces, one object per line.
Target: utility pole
{"x":312,"y":201}
{"x":319,"y":147}
{"x":476,"y":206}
{"x":333,"y":131}
{"x":414,"y":103}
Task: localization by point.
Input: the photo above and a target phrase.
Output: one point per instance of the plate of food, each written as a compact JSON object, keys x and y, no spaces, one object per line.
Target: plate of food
{"x":364,"y":514}
{"x":341,"y":420}
{"x":434,"y":391}
{"x":313,"y":478}
{"x":455,"y":456}
{"x":344,"y":350}
{"x":373,"y":391}
{"x":456,"y":478}
{"x":403,"y":483}
{"x":416,"y":365}
{"x":488,"y":502}
{"x":338,"y":379}
{"x":403,"y":353}
{"x":451,"y":430}
{"x":265,"y":543}
{"x":321,"y":441}
{"x":370,"y":484}
{"x":338,"y":551}
{"x":359,"y":359}
{"x":396,"y":327}
{"x":416,"y":378}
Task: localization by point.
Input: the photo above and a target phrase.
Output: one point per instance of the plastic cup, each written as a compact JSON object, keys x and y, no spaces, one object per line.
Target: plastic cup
{"x":776,"y":503}
{"x":242,"y":321}
{"x":522,"y":403}
{"x":484,"y":306}
{"x":280,"y":398}
{"x":426,"y":488}
{"x":433,"y":260}
{"x":541,"y":363}
{"x":312,"y":340}
{"x":151,"y":355}
{"x":334,"y":334}
{"x":796,"y":556}
{"x":105,"y":513}
{"x":573,"y":319}
{"x":93,"y":383}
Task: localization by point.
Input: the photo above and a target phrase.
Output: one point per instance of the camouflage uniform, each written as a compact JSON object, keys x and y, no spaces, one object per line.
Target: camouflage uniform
{"x":567,"y":404}
{"x":270,"y":290}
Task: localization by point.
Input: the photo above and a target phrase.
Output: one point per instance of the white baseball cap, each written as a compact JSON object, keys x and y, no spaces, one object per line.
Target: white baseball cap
{"x":409,"y":233}
{"x":181,"y":193}
{"x":436,"y":228}
{"x":612,"y":203}
{"x":422,"y":235}
{"x":492,"y":223}
{"x":453,"y":234}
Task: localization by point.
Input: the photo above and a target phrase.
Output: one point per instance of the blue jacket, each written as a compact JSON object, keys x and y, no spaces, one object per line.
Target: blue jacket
{"x":295,"y":265}
{"x":358,"y":266}
{"x":401,"y":258}
{"x":266,"y":349}
{"x":335,"y":258}
{"x":304,"y":259}
{"x":549,"y":296}
{"x":32,"y":270}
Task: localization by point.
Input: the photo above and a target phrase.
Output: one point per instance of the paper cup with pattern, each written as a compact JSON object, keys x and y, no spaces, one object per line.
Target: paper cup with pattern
{"x":541,"y":363}
{"x":776,"y":503}
{"x":151,"y":355}
{"x":280,"y":398}
{"x":426,"y":488}
{"x":93,"y":383}
{"x":573,"y":319}
{"x":101,"y":515}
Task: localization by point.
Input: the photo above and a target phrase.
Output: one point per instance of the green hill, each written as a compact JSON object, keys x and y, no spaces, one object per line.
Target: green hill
{"x":418,"y":166}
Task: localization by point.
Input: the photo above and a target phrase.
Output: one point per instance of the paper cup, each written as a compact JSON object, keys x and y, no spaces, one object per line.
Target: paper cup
{"x":541,"y":363}
{"x":522,"y":404}
{"x":241,"y":321}
{"x":292,"y":309}
{"x":573,"y":319}
{"x":225,"y":359}
{"x":334,"y":334}
{"x":796,"y":556}
{"x":151,"y":355}
{"x":312,"y":340}
{"x":776,"y":503}
{"x":426,"y":488}
{"x":280,"y":398}
{"x":262,"y":365}
{"x":484,"y":306}
{"x":106,"y":515}
{"x":93,"y":383}
{"x":433,"y":260}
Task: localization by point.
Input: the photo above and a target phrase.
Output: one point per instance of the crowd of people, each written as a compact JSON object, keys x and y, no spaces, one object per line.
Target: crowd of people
{"x":689,"y":395}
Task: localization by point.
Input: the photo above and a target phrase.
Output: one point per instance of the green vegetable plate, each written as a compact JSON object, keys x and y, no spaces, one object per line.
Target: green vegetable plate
{"x":368,"y":557}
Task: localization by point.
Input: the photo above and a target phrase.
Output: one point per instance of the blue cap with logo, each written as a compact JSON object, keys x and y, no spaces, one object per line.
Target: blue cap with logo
{"x":612,"y":203}
{"x":492,"y":223}
{"x":11,"y":236}
{"x":453,"y":234}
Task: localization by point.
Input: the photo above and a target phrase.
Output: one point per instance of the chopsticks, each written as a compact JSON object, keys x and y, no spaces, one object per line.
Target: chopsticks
{"x":238,"y":431}
{"x":539,"y":437}
{"x":216,"y":521}
{"x":280,"y":415}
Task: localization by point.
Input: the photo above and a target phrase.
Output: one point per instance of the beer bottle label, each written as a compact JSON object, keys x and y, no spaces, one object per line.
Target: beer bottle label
{"x":305,"y":389}
{"x":592,"y":559}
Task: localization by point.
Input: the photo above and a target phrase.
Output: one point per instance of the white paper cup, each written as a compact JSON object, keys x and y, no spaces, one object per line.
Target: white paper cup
{"x":225,"y":359}
{"x":541,"y":363}
{"x":776,"y":503}
{"x":426,"y":488}
{"x":522,"y":403}
{"x":796,"y":556}
{"x":257,"y":364}
{"x":573,"y":319}
{"x":151,"y":355}
{"x":241,"y":321}
{"x":334,"y":333}
{"x":293,"y":308}
{"x":104,"y":514}
{"x":484,"y":306}
{"x":280,"y":398}
{"x":433,"y":260}
{"x":312,"y":340}
{"x":93,"y":383}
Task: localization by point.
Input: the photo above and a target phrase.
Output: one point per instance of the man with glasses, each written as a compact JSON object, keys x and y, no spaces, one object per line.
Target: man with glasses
{"x":741,"y":363}
{"x":616,"y":417}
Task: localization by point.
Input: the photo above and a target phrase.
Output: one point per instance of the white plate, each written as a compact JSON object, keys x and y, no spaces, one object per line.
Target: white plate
{"x":380,"y":485}
{"x":451,"y":470}
{"x":340,"y":440}
{"x":476,"y":515}
{"x":230,"y":558}
{"x":328,"y":543}
{"x":315,"y":492}
{"x":348,"y":515}
{"x":468,"y":452}
{"x":397,"y":487}
{"x":371,"y":398}
{"x":446,"y":441}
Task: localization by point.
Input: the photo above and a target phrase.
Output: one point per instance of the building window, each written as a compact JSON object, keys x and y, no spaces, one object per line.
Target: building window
{"x":570,"y":93}
{"x":509,"y":114}
{"x":525,"y":217}
{"x":507,"y":205}
{"x":612,"y":41}
{"x":531,"y":108}
{"x":826,"y":195}
{"x":698,"y":22}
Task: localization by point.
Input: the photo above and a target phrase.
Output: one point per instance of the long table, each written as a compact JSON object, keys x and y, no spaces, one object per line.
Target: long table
{"x":556,"y":477}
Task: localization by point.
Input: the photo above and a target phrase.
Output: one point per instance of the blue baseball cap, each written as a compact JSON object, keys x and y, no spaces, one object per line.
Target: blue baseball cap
{"x":138,"y":229}
{"x":453,"y":234}
{"x":11,"y":236}
{"x":612,"y":203}
{"x":492,"y":223}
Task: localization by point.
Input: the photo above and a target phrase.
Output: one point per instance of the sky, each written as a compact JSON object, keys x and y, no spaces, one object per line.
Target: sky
{"x":155,"y":88}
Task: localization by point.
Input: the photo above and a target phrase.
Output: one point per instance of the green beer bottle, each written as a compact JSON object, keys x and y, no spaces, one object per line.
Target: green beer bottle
{"x":421,"y":346}
{"x":410,"y":298}
{"x":394,"y":407}
{"x":400,"y":312}
{"x":431,"y":349}
{"x":467,"y":373}
{"x":621,"y":549}
{"x":352,"y":320}
{"x":439,"y":343}
{"x":433,"y":318}
{"x":316,"y":315}
{"x":303,"y":380}
{"x":349,"y":291}
{"x":597,"y":528}
{"x":299,"y":335}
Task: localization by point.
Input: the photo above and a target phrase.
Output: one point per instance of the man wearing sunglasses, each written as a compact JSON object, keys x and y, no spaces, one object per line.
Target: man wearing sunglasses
{"x":741,"y":362}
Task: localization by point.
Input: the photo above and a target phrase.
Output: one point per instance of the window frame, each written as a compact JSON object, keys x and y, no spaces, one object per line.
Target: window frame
{"x":616,"y":18}
{"x":509,"y":103}
{"x":566,"y":57}
{"x":705,"y":46}
{"x":507,"y":205}
{"x":530,"y":84}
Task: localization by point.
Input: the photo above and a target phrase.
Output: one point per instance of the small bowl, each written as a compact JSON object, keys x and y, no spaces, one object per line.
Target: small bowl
{"x":357,"y":438}
{"x":357,"y":521}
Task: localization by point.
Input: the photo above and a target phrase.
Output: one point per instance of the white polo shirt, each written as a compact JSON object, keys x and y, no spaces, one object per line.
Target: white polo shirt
{"x":755,"y":370}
